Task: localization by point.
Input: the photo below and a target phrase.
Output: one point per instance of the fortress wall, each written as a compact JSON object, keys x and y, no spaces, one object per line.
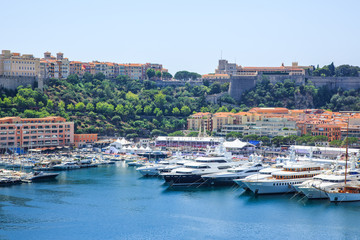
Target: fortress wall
{"x":336,"y":82}
{"x":239,"y":84}
{"x":14,"y":82}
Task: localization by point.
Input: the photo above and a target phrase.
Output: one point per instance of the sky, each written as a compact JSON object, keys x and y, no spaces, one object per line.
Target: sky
{"x":187,"y":35}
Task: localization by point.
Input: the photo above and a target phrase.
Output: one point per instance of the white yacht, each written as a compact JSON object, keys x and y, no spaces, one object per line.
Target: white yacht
{"x":227,"y":177}
{"x":316,"y":187}
{"x":191,"y":173}
{"x":282,"y":181}
{"x":153,"y":169}
{"x":349,"y":192}
{"x":263,"y":173}
{"x":66,"y":166}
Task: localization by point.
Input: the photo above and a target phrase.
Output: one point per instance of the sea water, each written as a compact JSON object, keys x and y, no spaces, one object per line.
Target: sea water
{"x":116,"y":202}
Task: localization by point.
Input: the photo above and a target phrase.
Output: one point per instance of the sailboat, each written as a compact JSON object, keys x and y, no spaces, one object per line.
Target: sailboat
{"x":349,"y":192}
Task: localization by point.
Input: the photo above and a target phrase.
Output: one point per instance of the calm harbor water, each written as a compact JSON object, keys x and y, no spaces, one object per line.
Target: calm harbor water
{"x":115,"y":202}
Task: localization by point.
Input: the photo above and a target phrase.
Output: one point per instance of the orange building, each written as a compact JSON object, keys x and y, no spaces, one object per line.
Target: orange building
{"x":332,"y":131}
{"x":83,"y":139}
{"x":35,"y":132}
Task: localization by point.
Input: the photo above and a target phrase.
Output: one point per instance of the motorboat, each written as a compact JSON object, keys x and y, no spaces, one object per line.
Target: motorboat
{"x":41,"y":176}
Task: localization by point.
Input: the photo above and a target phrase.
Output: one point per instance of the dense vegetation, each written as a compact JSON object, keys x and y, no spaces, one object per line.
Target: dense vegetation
{"x":134,"y":108}
{"x":287,"y":94}
{"x":121,"y":106}
{"x":339,"y":71}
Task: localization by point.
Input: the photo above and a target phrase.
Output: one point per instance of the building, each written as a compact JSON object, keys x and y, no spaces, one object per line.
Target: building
{"x":232,"y":69}
{"x":16,"y":132}
{"x":222,"y":118}
{"x":84,"y":139}
{"x":17,"y":65}
{"x":332,"y":131}
{"x":54,"y":67}
{"x":200,"y":120}
{"x":77,"y":67}
{"x":272,"y":127}
{"x":187,"y":142}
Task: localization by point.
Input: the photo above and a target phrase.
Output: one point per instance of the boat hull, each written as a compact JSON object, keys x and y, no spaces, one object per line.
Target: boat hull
{"x":183,"y":180}
{"x":344,"y":197}
{"x":270,"y":187}
{"x":313,"y":193}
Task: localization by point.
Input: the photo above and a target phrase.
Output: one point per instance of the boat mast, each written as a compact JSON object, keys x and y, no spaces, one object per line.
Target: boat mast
{"x":347,"y":149}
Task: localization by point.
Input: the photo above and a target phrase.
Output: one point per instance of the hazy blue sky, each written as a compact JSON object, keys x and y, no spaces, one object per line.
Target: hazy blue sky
{"x":186,"y":35}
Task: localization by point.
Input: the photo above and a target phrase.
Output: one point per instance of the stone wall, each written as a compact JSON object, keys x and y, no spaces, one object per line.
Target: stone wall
{"x":336,"y":82}
{"x":14,"y":82}
{"x":239,"y":84}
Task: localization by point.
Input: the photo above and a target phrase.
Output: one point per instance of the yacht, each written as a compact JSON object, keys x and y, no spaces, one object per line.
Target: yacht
{"x":349,"y":192}
{"x":153,"y":169}
{"x":40,"y":176}
{"x":192,"y":173}
{"x":316,"y":187}
{"x":283,"y":181}
{"x":262,"y":174}
{"x":227,"y":177}
{"x":66,"y":166}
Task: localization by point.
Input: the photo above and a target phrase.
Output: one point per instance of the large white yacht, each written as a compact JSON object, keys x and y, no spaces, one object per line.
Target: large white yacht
{"x":316,"y":188}
{"x":227,"y":177}
{"x":349,"y":192}
{"x":191,"y":173}
{"x":263,"y":173}
{"x":282,"y":181}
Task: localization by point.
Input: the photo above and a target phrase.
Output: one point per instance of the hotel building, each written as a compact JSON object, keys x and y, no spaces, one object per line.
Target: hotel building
{"x":35,"y":132}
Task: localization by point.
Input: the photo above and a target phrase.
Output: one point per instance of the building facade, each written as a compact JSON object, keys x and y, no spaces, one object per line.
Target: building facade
{"x":17,"y":65}
{"x":84,"y":139}
{"x":16,"y":132}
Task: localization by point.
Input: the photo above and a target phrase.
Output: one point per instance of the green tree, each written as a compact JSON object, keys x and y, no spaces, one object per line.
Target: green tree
{"x":158,"y":74}
{"x":80,"y":107}
{"x":185,"y":111}
{"x":150,"y":73}
{"x":70,"y":107}
{"x":90,"y":107}
{"x":148,"y":110}
{"x":176,"y":111}
{"x":166,"y":75}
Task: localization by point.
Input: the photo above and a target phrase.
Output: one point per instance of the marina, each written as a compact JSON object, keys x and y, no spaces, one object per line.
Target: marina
{"x":124,"y":205}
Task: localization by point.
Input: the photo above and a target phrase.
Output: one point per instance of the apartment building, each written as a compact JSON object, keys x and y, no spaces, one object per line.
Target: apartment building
{"x":54,"y":67}
{"x":135,"y":71}
{"x":200,"y":120}
{"x":76,"y":67}
{"x":35,"y":132}
{"x":273,"y":127}
{"x":17,"y":65}
{"x":331,"y":131}
{"x":222,"y":118}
